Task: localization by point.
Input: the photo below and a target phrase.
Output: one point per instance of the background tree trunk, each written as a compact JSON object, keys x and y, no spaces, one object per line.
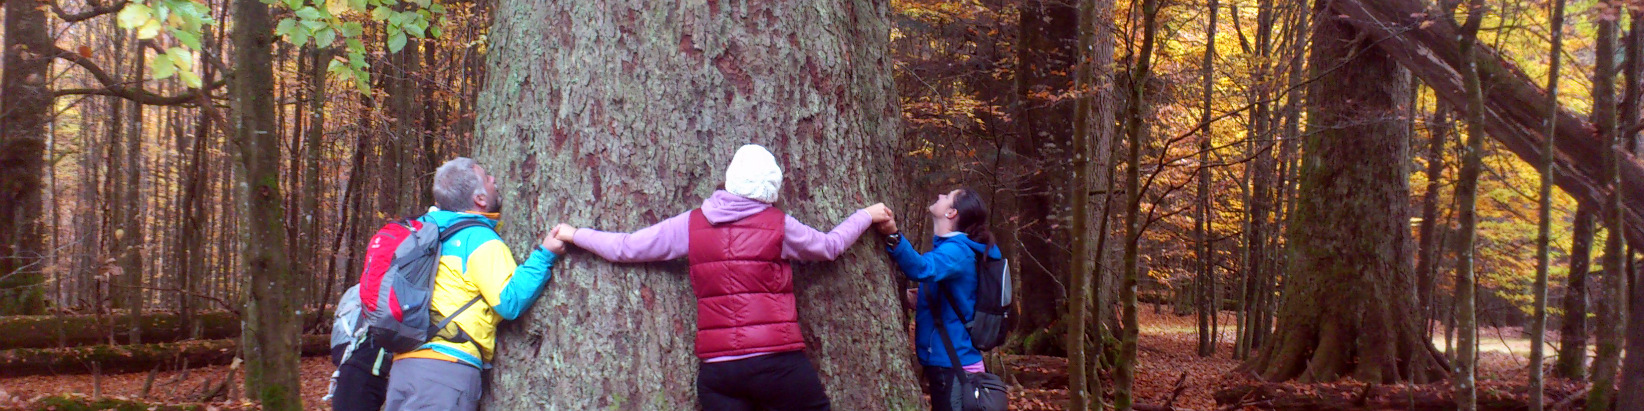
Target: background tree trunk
{"x":1572,"y":330}
{"x":24,"y":112}
{"x":1538,"y":325}
{"x":1608,"y":320}
{"x":618,"y":115}
{"x":1347,"y":309}
{"x":1472,"y":164}
{"x":270,"y":339}
{"x":1201,"y":227}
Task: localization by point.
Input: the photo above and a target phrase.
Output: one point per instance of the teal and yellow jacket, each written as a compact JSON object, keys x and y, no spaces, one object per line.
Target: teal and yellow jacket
{"x":473,"y":263}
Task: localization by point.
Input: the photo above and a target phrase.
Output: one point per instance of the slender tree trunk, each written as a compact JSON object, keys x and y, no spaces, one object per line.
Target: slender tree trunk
{"x":1084,"y":147}
{"x":1104,"y":103}
{"x":1124,"y":378}
{"x":24,"y":112}
{"x":271,"y":326}
{"x":583,"y":142}
{"x":1538,"y":323}
{"x":1347,"y":309}
{"x":1207,"y":308}
{"x":1466,"y":391}
{"x":1631,"y":391}
{"x":132,"y":241}
{"x":1430,"y":253}
{"x":1572,"y":332}
{"x":1607,"y":357}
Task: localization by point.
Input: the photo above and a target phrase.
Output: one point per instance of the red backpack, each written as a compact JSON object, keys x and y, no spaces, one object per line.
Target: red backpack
{"x":396,"y":287}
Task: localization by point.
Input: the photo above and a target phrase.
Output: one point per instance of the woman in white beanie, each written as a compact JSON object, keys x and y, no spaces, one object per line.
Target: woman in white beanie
{"x":739,"y":248}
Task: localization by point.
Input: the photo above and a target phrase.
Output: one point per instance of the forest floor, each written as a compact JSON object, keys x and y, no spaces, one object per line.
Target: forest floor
{"x":1166,"y":352}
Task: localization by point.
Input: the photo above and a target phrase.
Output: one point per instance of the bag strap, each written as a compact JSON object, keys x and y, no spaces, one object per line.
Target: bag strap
{"x":448,"y":232}
{"x":981,"y":266}
{"x":445,"y":235}
{"x":942,"y":330}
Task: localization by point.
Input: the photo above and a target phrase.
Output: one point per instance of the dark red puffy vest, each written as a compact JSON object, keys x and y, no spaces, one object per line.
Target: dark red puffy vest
{"x":743,"y":286}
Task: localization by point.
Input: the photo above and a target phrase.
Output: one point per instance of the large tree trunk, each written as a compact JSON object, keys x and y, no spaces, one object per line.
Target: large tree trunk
{"x":1349,"y":309}
{"x":1047,"y":35}
{"x":1407,"y":31}
{"x":271,"y":325}
{"x":24,"y":111}
{"x":621,"y":114}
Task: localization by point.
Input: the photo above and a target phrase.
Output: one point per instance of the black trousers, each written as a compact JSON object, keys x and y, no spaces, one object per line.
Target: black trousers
{"x":941,"y":380}
{"x":358,"y":390}
{"x":782,"y":381}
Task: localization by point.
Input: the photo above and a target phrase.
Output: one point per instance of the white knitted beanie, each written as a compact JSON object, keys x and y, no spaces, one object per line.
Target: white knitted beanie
{"x":754,"y":174}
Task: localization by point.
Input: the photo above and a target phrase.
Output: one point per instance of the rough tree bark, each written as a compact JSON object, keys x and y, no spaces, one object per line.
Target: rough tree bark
{"x":1348,"y":308}
{"x":24,"y":112}
{"x":270,"y":339}
{"x":620,"y":114}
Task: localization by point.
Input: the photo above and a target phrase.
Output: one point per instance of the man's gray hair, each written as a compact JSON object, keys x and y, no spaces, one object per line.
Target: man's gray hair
{"x":456,"y":183}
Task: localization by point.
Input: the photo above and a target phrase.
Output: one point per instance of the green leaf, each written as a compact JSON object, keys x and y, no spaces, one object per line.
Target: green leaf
{"x":435,"y":31}
{"x":161,"y":66}
{"x":380,"y":13}
{"x":315,"y":25}
{"x":182,"y":58}
{"x":356,"y":59}
{"x":416,"y":30}
{"x":188,"y":38}
{"x":190,"y":79}
{"x":357,"y":4}
{"x":299,"y":37}
{"x":423,"y":3}
{"x":335,"y":66}
{"x":293,"y":4}
{"x":134,"y":15}
{"x":355,"y":46}
{"x":352,"y":29}
{"x":284,"y":28}
{"x":362,"y":81}
{"x":324,"y":37}
{"x":437,"y":8}
{"x":396,"y":42}
{"x":309,"y":13}
{"x":149,"y":30}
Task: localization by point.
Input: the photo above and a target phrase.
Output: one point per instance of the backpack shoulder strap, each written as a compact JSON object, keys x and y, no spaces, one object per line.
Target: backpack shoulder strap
{"x":448,"y":232}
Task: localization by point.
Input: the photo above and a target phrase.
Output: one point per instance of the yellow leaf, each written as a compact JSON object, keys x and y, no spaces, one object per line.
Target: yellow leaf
{"x":149,"y":29}
{"x":336,"y":7}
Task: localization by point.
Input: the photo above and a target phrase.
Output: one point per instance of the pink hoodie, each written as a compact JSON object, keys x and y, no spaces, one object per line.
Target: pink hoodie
{"x":670,"y":239}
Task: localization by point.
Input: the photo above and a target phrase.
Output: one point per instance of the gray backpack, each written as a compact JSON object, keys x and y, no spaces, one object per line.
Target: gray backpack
{"x":397,"y":285}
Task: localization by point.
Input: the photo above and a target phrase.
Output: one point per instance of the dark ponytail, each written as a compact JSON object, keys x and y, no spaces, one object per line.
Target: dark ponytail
{"x":973,"y":216}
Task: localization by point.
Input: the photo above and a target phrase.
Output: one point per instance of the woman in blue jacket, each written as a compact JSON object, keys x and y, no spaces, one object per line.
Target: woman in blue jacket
{"x":960,"y":221}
